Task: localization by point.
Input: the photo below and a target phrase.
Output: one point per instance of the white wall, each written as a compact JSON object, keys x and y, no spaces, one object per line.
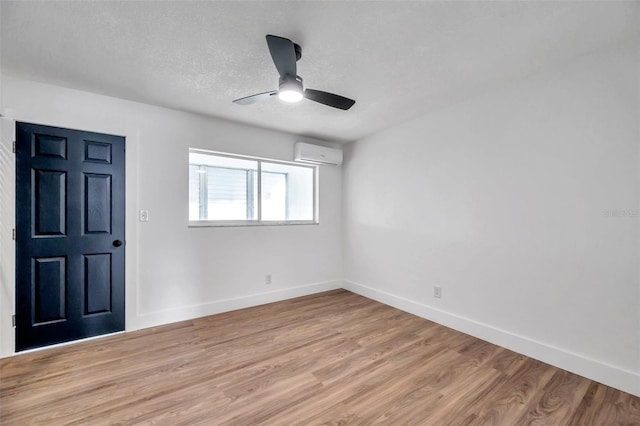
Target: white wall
{"x":523,"y":205}
{"x":174,"y":272}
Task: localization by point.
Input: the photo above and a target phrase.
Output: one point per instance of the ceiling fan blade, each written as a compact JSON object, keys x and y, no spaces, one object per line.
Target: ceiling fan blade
{"x":255,"y":98}
{"x":283,"y":54}
{"x":329,"y":99}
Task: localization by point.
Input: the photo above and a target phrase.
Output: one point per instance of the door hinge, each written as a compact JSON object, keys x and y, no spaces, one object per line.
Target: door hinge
{"x":13,"y":321}
{"x":14,"y":147}
{"x":14,"y":234}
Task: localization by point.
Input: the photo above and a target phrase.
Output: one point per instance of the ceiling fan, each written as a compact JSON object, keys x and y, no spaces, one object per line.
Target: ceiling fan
{"x":285,"y":53}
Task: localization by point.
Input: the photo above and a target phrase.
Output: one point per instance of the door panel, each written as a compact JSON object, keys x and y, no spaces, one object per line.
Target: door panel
{"x":50,"y":188}
{"x":69,"y":211}
{"x":97,"y":201}
{"x":97,"y":152}
{"x":49,"y":146}
{"x":97,"y":280}
{"x":49,"y":289}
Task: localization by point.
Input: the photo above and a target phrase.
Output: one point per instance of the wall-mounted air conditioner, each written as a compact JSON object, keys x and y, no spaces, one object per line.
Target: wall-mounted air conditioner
{"x":316,"y":154}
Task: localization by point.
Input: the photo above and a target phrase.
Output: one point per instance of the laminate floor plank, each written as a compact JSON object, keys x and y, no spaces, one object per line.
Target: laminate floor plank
{"x":513,"y":398}
{"x":557,"y":401}
{"x":333,"y":358}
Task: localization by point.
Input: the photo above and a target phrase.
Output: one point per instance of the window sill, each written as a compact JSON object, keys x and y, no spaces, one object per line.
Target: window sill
{"x":223,"y":223}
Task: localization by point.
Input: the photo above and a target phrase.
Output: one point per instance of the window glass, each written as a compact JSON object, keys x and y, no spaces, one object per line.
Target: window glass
{"x":225,"y":188}
{"x":287,"y":192}
{"x":194,"y":191}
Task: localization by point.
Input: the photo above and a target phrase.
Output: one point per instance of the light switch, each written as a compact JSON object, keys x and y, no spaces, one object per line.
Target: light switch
{"x":144,"y":215}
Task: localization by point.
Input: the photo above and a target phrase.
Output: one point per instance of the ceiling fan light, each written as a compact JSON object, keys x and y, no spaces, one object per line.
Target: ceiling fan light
{"x":290,"y":95}
{"x":290,"y":89}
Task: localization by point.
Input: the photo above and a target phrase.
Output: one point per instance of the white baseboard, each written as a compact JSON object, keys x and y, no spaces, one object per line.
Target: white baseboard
{"x":625,"y":380}
{"x":183,"y":313}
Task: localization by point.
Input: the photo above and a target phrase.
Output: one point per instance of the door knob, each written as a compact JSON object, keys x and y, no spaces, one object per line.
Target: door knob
{"x":117,"y":243}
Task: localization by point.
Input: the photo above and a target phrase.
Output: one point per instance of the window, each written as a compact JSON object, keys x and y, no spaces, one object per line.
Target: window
{"x":227,"y":189}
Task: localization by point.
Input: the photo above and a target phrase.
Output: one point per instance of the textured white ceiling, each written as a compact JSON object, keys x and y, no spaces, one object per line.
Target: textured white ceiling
{"x":398,"y":60}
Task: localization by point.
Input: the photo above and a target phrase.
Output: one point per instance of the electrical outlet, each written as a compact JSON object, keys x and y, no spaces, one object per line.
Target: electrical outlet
{"x":267,"y":279}
{"x":437,"y":292}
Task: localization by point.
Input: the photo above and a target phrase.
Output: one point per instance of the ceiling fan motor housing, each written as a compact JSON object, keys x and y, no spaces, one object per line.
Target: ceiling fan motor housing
{"x":298,"y":50}
{"x":289,"y":82}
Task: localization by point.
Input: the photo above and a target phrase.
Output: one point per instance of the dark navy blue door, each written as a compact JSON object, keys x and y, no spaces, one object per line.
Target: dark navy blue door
{"x":69,"y":235}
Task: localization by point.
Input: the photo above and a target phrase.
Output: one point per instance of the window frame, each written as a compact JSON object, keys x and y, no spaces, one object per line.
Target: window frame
{"x":259,"y":221}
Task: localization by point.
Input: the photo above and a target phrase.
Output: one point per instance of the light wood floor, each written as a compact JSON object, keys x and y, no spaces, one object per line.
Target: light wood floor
{"x":335,"y":358}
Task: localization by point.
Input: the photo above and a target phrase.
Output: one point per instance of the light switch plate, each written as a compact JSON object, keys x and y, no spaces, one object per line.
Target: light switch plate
{"x":144,"y":215}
